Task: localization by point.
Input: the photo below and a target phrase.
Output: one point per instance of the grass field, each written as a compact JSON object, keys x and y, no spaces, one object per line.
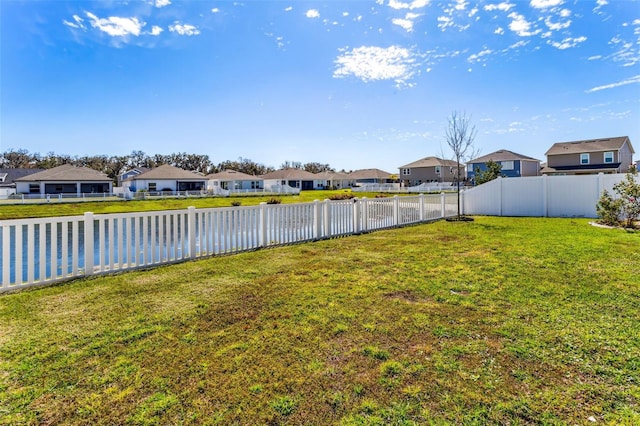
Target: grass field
{"x":19,"y":211}
{"x":496,"y":321}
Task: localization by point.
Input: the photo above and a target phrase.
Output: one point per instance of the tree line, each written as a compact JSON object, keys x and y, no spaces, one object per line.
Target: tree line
{"x":114,"y":165}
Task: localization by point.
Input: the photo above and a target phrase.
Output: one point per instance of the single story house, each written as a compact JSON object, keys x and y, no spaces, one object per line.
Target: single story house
{"x":232,"y":180}
{"x":65,"y":179}
{"x":364,"y":176}
{"x":131,"y":173}
{"x":429,"y":170}
{"x":513,"y":164}
{"x":8,"y":177}
{"x":335,"y":180}
{"x":166,"y":178}
{"x":295,"y":178}
{"x":610,"y":155}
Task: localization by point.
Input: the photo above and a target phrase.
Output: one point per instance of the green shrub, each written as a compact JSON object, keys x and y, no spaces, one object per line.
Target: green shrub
{"x":609,"y":209}
{"x":236,"y":203}
{"x":343,"y":196}
{"x":626,"y":206}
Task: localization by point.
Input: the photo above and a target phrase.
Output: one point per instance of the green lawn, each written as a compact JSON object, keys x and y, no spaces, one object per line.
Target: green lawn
{"x":496,"y":321}
{"x":18,"y":211}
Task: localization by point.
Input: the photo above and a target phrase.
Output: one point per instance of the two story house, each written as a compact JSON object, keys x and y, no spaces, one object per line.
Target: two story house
{"x":513,"y":164}
{"x":428,"y":170}
{"x":610,"y":155}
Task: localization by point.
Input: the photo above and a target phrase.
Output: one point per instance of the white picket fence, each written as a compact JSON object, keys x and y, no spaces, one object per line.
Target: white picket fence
{"x":47,"y":250}
{"x":546,"y":196}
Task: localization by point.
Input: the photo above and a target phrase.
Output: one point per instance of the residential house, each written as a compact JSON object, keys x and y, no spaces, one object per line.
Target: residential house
{"x":429,"y":170}
{"x":231,"y":180}
{"x":366,"y":176}
{"x":166,"y":178}
{"x":335,"y":180}
{"x":295,"y":178}
{"x":8,"y":177}
{"x":611,"y":155}
{"x":65,"y":179}
{"x":512,"y":164}
{"x":129,"y":173}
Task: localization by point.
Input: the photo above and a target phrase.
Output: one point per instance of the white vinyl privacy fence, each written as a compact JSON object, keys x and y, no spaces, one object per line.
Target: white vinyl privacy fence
{"x":550,"y":196}
{"x":46,"y":250}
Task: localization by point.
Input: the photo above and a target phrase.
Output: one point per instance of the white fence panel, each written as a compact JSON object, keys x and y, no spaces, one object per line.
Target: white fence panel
{"x":552,"y":196}
{"x":46,"y":250}
{"x":522,"y":197}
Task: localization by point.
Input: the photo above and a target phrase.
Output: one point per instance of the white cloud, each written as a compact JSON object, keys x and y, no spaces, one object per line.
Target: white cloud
{"x":116,"y":26}
{"x":404,"y":23}
{"x":156,"y":30}
{"x":504,"y":6}
{"x":79,"y":23}
{"x":520,"y":25}
{"x":312,"y":13}
{"x":162,"y":3}
{"x":416,"y":4}
{"x":372,"y":63}
{"x":499,"y":31}
{"x":215,"y":10}
{"x":544,"y":4}
{"x":477,"y":57}
{"x":631,"y":80}
{"x":288,"y":8}
{"x":407,"y":22}
{"x":184,"y":29}
{"x":556,"y":26}
{"x":444,"y":22}
{"x":567,"y":43}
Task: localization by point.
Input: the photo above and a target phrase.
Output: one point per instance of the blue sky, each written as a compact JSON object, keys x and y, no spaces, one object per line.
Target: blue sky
{"x":356,"y":84}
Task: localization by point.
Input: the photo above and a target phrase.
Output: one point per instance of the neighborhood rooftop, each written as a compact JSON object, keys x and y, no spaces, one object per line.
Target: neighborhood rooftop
{"x":502,"y":155}
{"x":591,"y":145}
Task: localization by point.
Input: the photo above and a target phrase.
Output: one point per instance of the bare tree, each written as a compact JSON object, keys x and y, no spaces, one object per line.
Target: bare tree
{"x":460,"y":135}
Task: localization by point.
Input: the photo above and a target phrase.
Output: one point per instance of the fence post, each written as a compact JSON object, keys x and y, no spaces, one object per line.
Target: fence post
{"x":500,"y":195}
{"x":364,"y":214}
{"x":600,"y":185}
{"x":263,"y":225}
{"x":327,"y":219}
{"x":462,"y":212}
{"x":396,"y":211}
{"x":191,"y":231}
{"x":317,"y":222}
{"x":89,"y":243}
{"x":356,"y":215}
{"x":545,"y":195}
{"x":421,"y":207}
{"x":443,"y":206}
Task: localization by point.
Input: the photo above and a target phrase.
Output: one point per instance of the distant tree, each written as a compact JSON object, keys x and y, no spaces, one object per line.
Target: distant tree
{"x":52,"y":160}
{"x":243,"y":165}
{"x":18,"y":159}
{"x":317,"y":168}
{"x":460,"y":135}
{"x":493,"y":171}
{"x":291,"y":165}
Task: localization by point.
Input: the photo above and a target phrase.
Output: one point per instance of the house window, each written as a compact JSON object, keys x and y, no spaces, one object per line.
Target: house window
{"x":608,"y":157}
{"x":507,"y":165}
{"x":406,"y":172}
{"x":255,"y":184}
{"x":34,"y":188}
{"x":584,"y":158}
{"x":152,"y":187}
{"x":437,"y":170}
